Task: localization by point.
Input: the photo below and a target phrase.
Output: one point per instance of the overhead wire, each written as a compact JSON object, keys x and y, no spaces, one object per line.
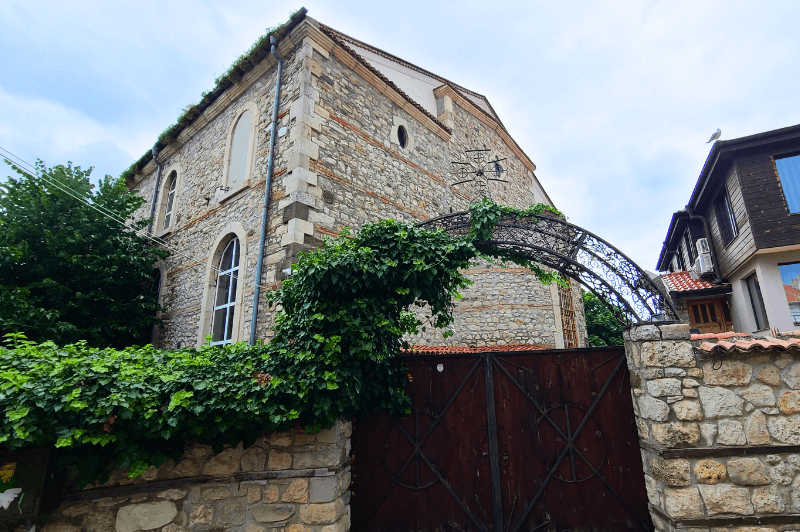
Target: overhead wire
{"x":28,"y":168}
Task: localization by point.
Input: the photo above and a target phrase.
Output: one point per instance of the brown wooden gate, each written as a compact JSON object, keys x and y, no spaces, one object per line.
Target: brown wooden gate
{"x":514,"y":441}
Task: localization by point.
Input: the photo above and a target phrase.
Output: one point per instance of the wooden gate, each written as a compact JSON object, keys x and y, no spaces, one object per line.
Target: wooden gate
{"x":505,"y":442}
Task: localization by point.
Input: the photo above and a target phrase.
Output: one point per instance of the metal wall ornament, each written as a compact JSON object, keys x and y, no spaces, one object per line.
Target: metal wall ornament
{"x":478,"y":169}
{"x":620,"y":283}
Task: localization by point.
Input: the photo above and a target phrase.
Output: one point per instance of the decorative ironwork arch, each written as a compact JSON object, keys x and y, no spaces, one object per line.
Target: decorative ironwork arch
{"x":615,"y":279}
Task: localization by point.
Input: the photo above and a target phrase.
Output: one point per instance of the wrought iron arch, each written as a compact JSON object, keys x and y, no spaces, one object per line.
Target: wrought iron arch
{"x":615,"y":279}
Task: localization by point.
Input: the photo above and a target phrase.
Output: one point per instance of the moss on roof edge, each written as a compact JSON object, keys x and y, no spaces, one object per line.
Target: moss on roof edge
{"x":244,"y":64}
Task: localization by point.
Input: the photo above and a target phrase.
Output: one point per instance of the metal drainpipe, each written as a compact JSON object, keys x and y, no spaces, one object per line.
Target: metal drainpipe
{"x":707,"y":231}
{"x":270,"y":163}
{"x":155,"y":192}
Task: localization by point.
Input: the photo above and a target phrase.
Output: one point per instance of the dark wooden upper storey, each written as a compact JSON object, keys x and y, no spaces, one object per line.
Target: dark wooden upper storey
{"x":744,"y":169}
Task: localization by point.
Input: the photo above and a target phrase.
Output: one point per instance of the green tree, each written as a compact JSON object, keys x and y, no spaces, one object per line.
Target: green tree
{"x":67,"y":271}
{"x":601,"y":325}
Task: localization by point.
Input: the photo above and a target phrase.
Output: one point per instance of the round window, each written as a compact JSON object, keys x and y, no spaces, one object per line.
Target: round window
{"x":402,"y":136}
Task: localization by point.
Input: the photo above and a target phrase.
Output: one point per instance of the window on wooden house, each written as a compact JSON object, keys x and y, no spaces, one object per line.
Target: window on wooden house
{"x":790,"y":275}
{"x":170,"y":203}
{"x":757,"y":302}
{"x":690,"y":249}
{"x":225,"y":298}
{"x":710,"y":315}
{"x":725,"y":217}
{"x":789,"y":174}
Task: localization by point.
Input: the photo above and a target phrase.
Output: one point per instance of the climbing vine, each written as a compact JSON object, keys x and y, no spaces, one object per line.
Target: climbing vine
{"x":343,"y":317}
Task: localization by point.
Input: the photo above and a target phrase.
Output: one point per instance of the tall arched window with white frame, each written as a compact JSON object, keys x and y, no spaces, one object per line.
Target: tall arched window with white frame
{"x":225,"y":298}
{"x":170,"y":203}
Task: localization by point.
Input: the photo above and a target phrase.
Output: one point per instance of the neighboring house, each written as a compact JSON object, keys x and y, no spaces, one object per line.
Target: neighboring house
{"x":702,"y":304}
{"x":741,"y":228}
{"x":361,"y":135}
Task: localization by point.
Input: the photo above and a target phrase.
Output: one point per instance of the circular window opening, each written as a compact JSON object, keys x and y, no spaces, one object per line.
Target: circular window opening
{"x":402,"y":136}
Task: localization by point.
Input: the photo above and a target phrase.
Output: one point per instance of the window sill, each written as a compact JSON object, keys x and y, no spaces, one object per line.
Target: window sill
{"x":232,"y":193}
{"x":165,"y":232}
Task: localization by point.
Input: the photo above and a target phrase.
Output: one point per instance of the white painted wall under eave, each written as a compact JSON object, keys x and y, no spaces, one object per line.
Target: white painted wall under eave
{"x":765,"y":265}
{"x":416,"y":84}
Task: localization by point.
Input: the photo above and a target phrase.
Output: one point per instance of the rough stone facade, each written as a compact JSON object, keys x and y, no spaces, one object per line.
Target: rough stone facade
{"x":338,"y":163}
{"x":290,"y":481}
{"x":720,"y":437}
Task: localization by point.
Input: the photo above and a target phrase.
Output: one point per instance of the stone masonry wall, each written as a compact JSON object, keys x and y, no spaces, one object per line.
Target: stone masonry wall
{"x":337,"y":164}
{"x":203,"y":212}
{"x":290,"y":481}
{"x":362,"y":174}
{"x":720,"y":437}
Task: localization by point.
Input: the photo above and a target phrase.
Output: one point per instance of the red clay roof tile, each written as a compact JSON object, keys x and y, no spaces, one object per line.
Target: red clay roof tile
{"x":684,"y":282}
{"x":746,"y":344}
{"x":451,"y":349}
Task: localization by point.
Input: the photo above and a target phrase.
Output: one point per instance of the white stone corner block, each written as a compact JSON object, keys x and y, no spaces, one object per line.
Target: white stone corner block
{"x":301,"y":226}
{"x":292,"y":237}
{"x":305,"y":175}
{"x":293,"y":184}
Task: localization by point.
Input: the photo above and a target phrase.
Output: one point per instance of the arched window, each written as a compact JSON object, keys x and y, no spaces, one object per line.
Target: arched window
{"x":225,"y":297}
{"x":170,"y":203}
{"x":240,"y":151}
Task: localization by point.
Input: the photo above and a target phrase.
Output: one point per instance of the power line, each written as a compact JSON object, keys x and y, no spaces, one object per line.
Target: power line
{"x":17,"y":161}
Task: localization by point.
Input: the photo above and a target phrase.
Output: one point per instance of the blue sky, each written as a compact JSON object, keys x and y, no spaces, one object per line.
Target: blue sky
{"x":613,"y":101}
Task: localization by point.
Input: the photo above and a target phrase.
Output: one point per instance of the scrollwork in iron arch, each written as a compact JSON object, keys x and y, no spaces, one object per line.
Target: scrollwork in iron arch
{"x":619,"y":282}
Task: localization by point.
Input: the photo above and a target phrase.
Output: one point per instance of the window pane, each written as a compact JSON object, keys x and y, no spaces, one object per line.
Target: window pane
{"x":229,"y":329}
{"x":223,"y":284}
{"x":705,"y":313}
{"x":696,"y":313}
{"x":713,"y":311}
{"x":789,"y":173}
{"x":225,"y":262}
{"x":240,"y":147}
{"x":232,"y":297}
{"x":687,"y":239}
{"x":725,"y":218}
{"x":170,"y":199}
{"x":790,"y":274}
{"x":218,"y":329}
{"x":759,"y":312}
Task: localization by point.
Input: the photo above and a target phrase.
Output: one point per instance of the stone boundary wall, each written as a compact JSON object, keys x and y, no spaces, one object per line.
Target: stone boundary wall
{"x":720,"y":436}
{"x":289,"y":481}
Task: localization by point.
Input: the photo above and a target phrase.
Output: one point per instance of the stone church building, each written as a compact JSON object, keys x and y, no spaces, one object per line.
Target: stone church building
{"x":360,"y":135}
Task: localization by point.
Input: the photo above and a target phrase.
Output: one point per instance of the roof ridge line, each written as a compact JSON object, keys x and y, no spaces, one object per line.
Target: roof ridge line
{"x":405,"y":63}
{"x":333,"y":35}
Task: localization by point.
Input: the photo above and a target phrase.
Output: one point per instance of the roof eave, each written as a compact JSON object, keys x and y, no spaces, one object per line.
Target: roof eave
{"x":724,"y":147}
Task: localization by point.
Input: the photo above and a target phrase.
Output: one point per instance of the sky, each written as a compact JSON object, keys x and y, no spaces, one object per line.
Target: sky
{"x":613,"y":101}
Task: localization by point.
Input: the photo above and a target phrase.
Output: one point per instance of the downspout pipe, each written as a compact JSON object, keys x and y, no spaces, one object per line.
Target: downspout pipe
{"x":267,"y":185}
{"x":155,"y":191}
{"x":707,"y":231}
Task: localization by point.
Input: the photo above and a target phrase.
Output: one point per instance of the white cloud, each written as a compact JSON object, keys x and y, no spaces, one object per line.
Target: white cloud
{"x":33,"y":128}
{"x":612,"y":100}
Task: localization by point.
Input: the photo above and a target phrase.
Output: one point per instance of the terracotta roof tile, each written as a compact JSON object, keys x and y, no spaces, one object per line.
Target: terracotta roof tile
{"x":454,"y":349}
{"x":746,"y":345}
{"x":717,"y":336}
{"x":684,"y":282}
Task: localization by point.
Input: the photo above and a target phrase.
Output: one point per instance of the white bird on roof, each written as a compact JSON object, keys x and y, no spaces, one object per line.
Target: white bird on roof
{"x":715,"y":136}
